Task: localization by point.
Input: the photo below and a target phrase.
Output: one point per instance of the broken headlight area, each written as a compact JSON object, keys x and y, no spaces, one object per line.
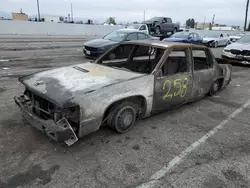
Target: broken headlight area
{"x":62,"y":124}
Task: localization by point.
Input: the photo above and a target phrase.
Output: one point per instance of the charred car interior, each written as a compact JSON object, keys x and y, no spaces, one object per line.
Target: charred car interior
{"x":135,"y":58}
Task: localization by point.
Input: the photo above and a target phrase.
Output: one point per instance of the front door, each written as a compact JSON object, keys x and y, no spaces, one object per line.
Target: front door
{"x":173,"y":81}
{"x":203,"y":72}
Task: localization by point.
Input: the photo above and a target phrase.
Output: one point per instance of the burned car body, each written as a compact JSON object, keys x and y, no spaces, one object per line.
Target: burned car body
{"x":132,"y":80}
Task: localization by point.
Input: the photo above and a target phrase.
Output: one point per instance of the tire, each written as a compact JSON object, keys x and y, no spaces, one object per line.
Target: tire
{"x":122,"y":117}
{"x":214,"y":88}
{"x":158,"y":30}
{"x":216,"y":44}
{"x":175,"y":30}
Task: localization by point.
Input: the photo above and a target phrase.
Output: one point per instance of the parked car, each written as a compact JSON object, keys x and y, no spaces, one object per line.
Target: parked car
{"x":160,"y":25}
{"x":239,"y":51}
{"x":185,"y":37}
{"x":95,"y":48}
{"x":132,"y":80}
{"x":215,"y":39}
{"x":235,"y":37}
{"x":139,"y":27}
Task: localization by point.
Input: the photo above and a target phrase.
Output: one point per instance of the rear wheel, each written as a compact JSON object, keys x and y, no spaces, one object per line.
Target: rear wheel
{"x":122,"y":117}
{"x":175,"y":30}
{"x":214,"y":88}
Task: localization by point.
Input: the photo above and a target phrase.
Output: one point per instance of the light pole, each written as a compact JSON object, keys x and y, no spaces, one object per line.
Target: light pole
{"x":38,"y":10}
{"x":245,"y":25}
{"x":72,"y":13}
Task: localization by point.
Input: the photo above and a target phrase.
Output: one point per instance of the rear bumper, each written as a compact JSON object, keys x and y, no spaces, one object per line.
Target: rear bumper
{"x":60,"y":131}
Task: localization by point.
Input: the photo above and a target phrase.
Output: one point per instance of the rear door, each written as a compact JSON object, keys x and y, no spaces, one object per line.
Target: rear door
{"x":164,"y":25}
{"x":203,"y":72}
{"x":173,"y":80}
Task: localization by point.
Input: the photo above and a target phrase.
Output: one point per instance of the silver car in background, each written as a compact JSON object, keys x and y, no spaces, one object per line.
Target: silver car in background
{"x":215,"y":39}
{"x":235,"y":37}
{"x":239,"y":51}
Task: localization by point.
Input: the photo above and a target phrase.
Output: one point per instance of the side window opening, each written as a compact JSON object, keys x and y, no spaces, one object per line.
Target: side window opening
{"x":201,"y":60}
{"x":177,"y":62}
{"x":142,"y":36}
{"x":145,"y":59}
{"x":143,"y":27}
{"x":132,"y":36}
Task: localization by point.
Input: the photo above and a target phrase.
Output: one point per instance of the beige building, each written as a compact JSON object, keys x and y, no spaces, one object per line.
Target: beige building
{"x":20,"y":16}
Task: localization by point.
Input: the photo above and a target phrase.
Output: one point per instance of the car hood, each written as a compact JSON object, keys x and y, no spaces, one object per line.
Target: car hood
{"x":238,"y":46}
{"x":63,"y":84}
{"x":208,"y":38}
{"x":175,"y":39}
{"x":97,"y":43}
{"x":235,"y":37}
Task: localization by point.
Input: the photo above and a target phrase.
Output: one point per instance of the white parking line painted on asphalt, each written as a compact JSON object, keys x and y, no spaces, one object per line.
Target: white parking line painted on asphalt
{"x":4,"y":60}
{"x":155,"y":178}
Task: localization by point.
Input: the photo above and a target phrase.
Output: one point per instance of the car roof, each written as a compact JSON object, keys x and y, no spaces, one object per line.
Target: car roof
{"x":161,"y":44}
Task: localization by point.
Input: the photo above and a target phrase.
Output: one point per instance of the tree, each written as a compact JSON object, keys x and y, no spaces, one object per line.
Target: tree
{"x":61,"y":18}
{"x":188,"y":23}
{"x":210,"y":26}
{"x":111,"y":20}
{"x":192,"y":23}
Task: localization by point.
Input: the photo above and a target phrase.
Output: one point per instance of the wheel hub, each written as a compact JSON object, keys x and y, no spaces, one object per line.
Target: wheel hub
{"x":127,"y":119}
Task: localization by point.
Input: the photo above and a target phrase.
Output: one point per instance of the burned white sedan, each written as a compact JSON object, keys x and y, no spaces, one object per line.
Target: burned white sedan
{"x":130,"y":81}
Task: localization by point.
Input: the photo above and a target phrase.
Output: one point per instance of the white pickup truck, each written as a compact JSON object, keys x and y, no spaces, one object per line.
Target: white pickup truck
{"x":139,"y":27}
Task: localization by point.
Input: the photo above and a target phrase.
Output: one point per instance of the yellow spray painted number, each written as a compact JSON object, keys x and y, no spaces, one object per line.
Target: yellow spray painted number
{"x":180,"y":88}
{"x":167,"y":84}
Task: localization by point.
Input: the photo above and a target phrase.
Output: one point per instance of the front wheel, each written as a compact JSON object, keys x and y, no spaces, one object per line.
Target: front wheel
{"x":215,"y":44}
{"x":158,"y":30}
{"x":122,"y":117}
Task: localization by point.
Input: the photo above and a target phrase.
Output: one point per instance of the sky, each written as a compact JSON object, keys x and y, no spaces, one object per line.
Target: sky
{"x":226,"y":11}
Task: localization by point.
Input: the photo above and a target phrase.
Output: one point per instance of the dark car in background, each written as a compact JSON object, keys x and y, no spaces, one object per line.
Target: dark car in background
{"x":161,"y":25}
{"x":185,"y":37}
{"x":95,"y":48}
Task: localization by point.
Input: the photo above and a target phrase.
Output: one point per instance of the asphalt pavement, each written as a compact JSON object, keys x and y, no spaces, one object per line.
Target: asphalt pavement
{"x":204,"y":144}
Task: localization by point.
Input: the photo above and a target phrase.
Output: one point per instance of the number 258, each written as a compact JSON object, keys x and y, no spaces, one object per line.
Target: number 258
{"x":180,"y":88}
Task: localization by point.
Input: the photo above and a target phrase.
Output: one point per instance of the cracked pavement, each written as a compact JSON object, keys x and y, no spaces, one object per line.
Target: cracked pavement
{"x":105,"y":159}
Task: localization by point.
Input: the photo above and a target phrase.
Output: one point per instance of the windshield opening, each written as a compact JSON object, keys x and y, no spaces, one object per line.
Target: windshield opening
{"x":244,"y":39}
{"x":133,"y":58}
{"x":116,"y":36}
{"x":212,"y":35}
